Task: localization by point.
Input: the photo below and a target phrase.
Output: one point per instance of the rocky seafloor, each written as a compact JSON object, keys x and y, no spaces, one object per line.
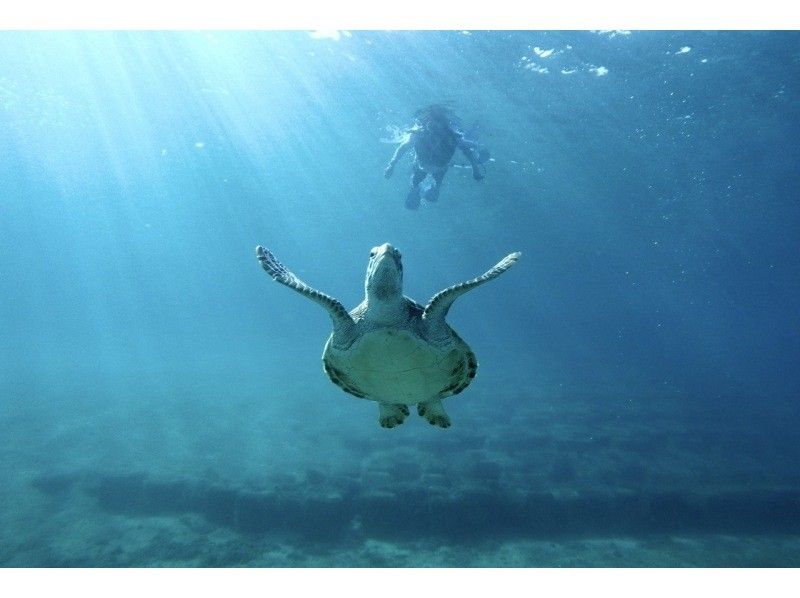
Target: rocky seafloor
{"x":575,"y":481}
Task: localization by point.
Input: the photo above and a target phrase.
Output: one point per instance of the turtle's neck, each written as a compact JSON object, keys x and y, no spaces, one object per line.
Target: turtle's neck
{"x":384,"y":310}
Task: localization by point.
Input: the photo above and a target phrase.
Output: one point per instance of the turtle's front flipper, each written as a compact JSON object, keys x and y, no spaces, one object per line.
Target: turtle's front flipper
{"x":279,"y":272}
{"x":437,"y":308}
{"x":434,"y":413}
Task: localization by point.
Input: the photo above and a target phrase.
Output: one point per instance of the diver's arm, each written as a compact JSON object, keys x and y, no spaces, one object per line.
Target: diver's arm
{"x":398,"y":153}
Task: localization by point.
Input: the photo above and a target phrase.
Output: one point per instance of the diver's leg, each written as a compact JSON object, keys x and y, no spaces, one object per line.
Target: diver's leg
{"x":412,"y":199}
{"x":434,"y":413}
{"x":432,"y":193}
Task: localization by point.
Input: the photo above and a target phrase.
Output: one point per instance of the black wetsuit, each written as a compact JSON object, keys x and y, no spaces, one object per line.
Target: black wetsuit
{"x":434,"y":143}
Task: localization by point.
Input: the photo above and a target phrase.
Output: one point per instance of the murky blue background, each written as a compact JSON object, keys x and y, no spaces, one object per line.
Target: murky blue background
{"x":162,"y":401}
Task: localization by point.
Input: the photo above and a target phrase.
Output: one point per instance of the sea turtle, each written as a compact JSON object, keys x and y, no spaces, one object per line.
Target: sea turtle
{"x":391,"y":349}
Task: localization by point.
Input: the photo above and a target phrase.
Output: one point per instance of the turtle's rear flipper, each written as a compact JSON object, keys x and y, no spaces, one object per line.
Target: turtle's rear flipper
{"x":434,"y":413}
{"x":390,"y":415}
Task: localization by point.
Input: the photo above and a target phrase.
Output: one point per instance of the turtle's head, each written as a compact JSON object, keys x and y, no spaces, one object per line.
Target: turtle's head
{"x":384,"y":273}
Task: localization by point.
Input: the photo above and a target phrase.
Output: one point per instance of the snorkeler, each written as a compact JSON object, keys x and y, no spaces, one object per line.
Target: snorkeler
{"x":434,"y":137}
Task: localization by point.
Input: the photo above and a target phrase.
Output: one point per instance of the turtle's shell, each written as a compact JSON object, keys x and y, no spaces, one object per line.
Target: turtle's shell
{"x":397,"y":366}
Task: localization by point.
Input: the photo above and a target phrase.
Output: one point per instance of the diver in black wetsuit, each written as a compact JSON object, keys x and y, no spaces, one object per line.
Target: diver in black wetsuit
{"x":435,"y":136}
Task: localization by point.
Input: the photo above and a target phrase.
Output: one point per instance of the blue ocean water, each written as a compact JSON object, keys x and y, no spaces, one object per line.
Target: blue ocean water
{"x":162,"y":401}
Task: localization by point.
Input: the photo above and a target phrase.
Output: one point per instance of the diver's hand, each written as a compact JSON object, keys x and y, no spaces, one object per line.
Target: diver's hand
{"x":389,"y":170}
{"x":477,"y":174}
